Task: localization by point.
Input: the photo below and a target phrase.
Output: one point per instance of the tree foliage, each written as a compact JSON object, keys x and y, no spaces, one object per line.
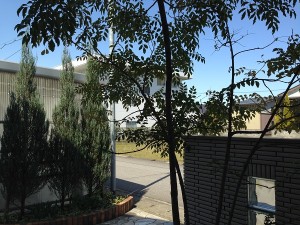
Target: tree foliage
{"x":155,"y":42}
{"x":26,"y":87}
{"x":64,"y":157}
{"x":66,"y":113}
{"x":64,"y":166}
{"x":287,"y":65}
{"x":24,"y":139}
{"x":139,"y":55}
{"x":94,"y":139}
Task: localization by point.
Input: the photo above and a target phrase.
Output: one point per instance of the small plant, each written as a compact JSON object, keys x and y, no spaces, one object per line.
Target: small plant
{"x":87,"y":203}
{"x":9,"y":218}
{"x":43,"y":210}
{"x":52,"y":210}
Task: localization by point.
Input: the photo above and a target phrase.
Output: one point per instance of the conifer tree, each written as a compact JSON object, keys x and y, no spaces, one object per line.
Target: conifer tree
{"x":65,"y":158}
{"x":66,"y":114}
{"x":24,"y":139}
{"x":94,"y":137}
{"x":26,"y":87}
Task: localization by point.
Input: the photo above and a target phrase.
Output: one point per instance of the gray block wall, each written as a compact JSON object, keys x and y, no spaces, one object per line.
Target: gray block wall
{"x":277,"y":159}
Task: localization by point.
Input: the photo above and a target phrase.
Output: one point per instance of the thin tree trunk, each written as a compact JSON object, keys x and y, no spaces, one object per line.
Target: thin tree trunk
{"x":168,"y":113}
{"x":229,"y":138}
{"x":186,"y":210}
{"x":256,"y":146}
{"x":23,"y":198}
{"x":90,"y":191}
{"x":174,"y":188}
{"x":63,"y":194}
{"x":22,"y":208}
{"x":7,"y":201}
{"x":62,"y":202}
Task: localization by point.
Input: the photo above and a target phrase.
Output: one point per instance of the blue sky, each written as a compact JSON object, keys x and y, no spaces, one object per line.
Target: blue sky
{"x":213,"y":75}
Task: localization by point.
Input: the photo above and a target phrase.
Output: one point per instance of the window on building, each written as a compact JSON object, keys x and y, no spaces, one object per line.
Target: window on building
{"x":261,"y":201}
{"x":131,"y":124}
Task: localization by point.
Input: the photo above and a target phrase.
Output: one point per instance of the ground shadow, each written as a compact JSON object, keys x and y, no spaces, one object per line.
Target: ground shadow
{"x":132,"y":188}
{"x":136,"y":190}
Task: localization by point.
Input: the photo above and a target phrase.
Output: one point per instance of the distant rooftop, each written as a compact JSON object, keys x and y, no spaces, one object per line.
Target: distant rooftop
{"x":40,"y":71}
{"x":80,"y":67}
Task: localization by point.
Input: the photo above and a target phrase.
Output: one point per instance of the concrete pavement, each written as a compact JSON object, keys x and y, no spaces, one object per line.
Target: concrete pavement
{"x":148,"y":182}
{"x":138,"y":217}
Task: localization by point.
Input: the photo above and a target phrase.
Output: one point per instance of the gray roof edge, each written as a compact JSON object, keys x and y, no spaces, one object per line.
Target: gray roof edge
{"x":40,"y":71}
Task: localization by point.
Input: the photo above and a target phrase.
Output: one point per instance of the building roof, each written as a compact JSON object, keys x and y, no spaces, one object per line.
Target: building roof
{"x":293,"y":93}
{"x":80,"y":67}
{"x":40,"y":71}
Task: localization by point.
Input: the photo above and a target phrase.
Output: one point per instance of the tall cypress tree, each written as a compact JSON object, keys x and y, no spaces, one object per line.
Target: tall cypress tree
{"x":66,"y":114}
{"x":24,"y":139}
{"x":64,"y":155}
{"x":9,"y":153}
{"x":94,"y":137}
{"x":26,"y":87}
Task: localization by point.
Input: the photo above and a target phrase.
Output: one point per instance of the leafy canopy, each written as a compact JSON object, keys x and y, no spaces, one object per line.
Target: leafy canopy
{"x":138,"y":57}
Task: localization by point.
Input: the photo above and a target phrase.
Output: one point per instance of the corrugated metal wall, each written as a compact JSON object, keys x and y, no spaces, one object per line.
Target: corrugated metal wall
{"x":48,"y":90}
{"x":7,"y":85}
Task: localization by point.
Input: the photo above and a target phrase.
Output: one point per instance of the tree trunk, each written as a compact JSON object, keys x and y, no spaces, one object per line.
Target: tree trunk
{"x":23,"y":198}
{"x":62,"y":201}
{"x":186,"y":210}
{"x":174,"y":188}
{"x":63,"y":195}
{"x":256,"y":146}
{"x":229,"y":132}
{"x":7,"y":201}
{"x":90,"y":188}
{"x":168,"y":113}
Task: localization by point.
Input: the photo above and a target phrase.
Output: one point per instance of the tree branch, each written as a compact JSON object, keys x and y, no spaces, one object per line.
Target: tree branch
{"x":256,"y":146}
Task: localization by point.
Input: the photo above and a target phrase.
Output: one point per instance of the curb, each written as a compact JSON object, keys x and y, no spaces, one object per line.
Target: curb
{"x":92,"y":218}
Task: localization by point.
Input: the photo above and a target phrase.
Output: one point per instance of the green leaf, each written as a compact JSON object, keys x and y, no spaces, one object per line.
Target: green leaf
{"x":257,"y":84}
{"x":44,"y":52}
{"x":51,"y":45}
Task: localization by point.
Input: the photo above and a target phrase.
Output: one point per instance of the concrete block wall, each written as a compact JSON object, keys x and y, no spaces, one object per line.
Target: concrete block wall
{"x":277,"y":159}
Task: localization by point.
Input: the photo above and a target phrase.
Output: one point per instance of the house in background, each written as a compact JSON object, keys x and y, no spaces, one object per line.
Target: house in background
{"x":121,"y":112}
{"x":259,"y":121}
{"x":48,"y":87}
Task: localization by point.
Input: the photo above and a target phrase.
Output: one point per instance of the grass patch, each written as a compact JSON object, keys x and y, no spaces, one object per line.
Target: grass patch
{"x":123,"y":146}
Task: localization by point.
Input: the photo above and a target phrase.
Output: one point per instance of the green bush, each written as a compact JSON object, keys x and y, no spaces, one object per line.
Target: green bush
{"x":52,"y":210}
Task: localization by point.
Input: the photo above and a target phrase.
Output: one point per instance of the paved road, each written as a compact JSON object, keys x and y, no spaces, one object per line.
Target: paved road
{"x":149,"y":182}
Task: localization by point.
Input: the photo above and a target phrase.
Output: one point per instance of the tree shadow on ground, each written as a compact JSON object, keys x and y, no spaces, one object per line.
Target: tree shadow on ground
{"x":135,"y":189}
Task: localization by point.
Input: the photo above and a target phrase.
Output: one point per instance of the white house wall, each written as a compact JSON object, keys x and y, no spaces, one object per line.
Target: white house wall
{"x":121,"y":113}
